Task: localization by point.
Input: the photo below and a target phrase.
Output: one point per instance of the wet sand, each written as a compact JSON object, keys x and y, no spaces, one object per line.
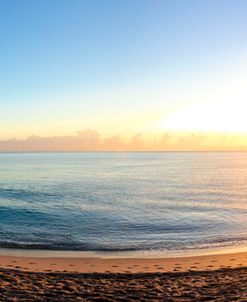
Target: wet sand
{"x":199,"y":278}
{"x":124,"y":265}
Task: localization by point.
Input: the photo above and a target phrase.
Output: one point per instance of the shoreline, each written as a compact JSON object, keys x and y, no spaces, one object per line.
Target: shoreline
{"x":44,"y":253}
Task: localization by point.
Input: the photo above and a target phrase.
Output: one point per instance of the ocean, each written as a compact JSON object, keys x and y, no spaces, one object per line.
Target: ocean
{"x":111,"y":203}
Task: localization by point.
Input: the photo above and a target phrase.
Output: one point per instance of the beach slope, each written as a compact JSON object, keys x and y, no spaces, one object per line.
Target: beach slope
{"x":220,"y":277}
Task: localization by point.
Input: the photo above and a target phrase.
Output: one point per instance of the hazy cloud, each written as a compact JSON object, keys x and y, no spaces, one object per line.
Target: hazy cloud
{"x":92,"y":140}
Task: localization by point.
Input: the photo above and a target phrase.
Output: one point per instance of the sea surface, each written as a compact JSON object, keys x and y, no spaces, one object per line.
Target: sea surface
{"x":123,"y":202}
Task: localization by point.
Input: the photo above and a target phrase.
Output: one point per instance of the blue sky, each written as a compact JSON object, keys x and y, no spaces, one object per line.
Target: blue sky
{"x":114,"y":66}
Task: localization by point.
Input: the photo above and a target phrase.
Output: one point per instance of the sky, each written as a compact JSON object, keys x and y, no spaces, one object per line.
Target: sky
{"x":123,"y":75}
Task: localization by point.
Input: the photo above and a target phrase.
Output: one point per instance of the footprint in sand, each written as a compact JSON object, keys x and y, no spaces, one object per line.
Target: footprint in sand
{"x":232,"y":259}
{"x":71,"y":265}
{"x":32,"y":263}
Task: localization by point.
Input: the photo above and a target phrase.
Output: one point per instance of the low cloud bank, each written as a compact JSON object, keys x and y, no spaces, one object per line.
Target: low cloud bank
{"x":91,"y":140}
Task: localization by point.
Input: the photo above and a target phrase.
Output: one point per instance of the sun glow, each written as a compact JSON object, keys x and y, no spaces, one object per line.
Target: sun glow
{"x":220,"y":117}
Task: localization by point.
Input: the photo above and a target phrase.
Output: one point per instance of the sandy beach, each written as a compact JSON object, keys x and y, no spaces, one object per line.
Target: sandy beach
{"x":221,"y":277}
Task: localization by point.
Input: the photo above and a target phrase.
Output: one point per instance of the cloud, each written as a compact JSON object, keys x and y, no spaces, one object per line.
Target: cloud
{"x":92,"y":140}
{"x":114,"y":143}
{"x":137,"y":142}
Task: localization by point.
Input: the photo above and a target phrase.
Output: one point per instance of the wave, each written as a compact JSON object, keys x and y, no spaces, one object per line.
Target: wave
{"x":99,"y":247}
{"x":60,"y":246}
{"x":28,"y":195}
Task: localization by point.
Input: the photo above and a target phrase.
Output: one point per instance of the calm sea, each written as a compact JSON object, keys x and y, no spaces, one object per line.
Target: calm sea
{"x":123,"y":202}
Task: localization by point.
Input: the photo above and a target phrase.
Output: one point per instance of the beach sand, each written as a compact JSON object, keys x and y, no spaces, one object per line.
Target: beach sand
{"x":221,"y":277}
